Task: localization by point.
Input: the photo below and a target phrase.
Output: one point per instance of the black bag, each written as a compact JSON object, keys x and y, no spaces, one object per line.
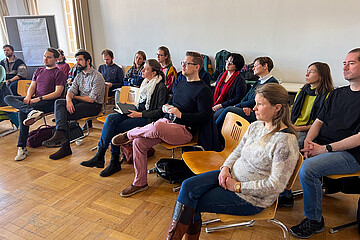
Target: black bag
{"x":174,"y":170}
{"x":37,"y":136}
{"x":75,"y":130}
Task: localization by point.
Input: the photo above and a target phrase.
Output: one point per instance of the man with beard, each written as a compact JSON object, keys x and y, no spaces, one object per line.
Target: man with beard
{"x":15,"y":69}
{"x":47,"y":85}
{"x":84,"y":99}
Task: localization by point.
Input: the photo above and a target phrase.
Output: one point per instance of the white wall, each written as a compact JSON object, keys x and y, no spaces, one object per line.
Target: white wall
{"x":55,"y":7}
{"x":293,"y":33}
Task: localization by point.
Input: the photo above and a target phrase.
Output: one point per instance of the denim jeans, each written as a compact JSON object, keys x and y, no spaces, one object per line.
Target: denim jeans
{"x":239,"y":111}
{"x":24,"y":109}
{"x":116,"y":123}
{"x":204,"y":194}
{"x":13,"y":87}
{"x":313,"y":169}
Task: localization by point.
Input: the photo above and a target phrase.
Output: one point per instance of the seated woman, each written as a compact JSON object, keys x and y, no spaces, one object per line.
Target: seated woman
{"x":309,"y":100}
{"x":133,"y":76}
{"x":152,"y":96}
{"x":164,"y":58}
{"x":251,"y":177}
{"x":65,"y":67}
{"x":230,"y":86}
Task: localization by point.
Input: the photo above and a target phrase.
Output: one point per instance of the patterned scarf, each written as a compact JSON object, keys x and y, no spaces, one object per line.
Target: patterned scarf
{"x":147,"y":88}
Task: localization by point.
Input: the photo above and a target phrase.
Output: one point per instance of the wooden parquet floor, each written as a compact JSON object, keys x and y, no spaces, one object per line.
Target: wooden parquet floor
{"x":45,"y":199}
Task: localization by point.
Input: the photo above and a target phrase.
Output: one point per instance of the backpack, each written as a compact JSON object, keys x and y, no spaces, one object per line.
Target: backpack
{"x":207,"y":64}
{"x":173,"y":170}
{"x":220,"y":59}
{"x":248,"y":74}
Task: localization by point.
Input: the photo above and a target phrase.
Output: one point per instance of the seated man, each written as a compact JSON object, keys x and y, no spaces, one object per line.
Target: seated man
{"x":112,"y":73}
{"x":47,"y":85}
{"x":336,"y":131}
{"x":84,"y":99}
{"x":262,"y":68}
{"x":4,"y":89}
{"x":192,"y":102}
{"x":15,"y":68}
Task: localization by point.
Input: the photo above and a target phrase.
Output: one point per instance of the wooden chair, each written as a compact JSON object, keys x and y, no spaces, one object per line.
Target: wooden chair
{"x":267,"y":214}
{"x":233,"y":130}
{"x":87,"y":119}
{"x":129,"y":95}
{"x":127,"y":69}
{"x":336,"y":229}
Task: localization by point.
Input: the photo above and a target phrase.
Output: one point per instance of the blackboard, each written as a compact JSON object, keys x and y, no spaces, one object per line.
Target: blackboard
{"x":14,"y":38}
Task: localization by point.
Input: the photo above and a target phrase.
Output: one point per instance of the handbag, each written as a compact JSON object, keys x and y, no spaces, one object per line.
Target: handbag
{"x":75,"y":130}
{"x":127,"y":153}
{"x":37,"y":136}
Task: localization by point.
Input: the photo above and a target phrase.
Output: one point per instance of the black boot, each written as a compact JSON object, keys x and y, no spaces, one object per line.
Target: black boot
{"x":64,"y":151}
{"x":98,"y":160}
{"x":113,"y":167}
{"x":182,"y":217}
{"x":58,"y":138}
{"x":193,"y":232}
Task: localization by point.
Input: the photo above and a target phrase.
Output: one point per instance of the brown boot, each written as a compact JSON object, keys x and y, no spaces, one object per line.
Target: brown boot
{"x":193,"y":232}
{"x":55,"y":141}
{"x":120,"y":139}
{"x":64,"y":151}
{"x":182,"y":217}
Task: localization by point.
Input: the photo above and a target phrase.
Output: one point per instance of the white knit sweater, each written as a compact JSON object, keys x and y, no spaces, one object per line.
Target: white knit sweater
{"x":263,"y":168}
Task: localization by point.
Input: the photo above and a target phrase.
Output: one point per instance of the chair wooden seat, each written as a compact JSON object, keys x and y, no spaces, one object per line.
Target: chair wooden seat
{"x":8,"y":109}
{"x":267,"y":214}
{"x":204,"y":161}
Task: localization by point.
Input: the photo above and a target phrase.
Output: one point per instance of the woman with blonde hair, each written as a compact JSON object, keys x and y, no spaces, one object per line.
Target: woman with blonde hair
{"x":252,"y":176}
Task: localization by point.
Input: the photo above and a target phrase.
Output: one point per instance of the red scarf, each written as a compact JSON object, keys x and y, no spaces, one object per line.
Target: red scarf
{"x":219,"y":97}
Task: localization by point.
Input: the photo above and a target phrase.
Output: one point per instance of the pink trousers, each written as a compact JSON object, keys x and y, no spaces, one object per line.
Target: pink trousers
{"x":150,"y":135}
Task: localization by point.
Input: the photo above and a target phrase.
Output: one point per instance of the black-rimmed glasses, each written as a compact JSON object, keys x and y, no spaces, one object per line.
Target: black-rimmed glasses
{"x":187,"y":64}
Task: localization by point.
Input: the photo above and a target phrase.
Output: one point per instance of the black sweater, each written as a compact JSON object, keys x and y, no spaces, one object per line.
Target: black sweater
{"x":194,"y":101}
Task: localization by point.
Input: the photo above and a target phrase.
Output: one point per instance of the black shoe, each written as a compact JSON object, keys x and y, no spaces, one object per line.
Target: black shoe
{"x":56,"y":140}
{"x":64,"y":151}
{"x":84,"y":128}
{"x":285,"y":202}
{"x":113,"y":167}
{"x":97,"y":161}
{"x":307,"y":228}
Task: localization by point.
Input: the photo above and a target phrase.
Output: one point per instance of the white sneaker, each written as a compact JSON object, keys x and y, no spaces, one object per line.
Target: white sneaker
{"x":32,"y":117}
{"x":22,"y":154}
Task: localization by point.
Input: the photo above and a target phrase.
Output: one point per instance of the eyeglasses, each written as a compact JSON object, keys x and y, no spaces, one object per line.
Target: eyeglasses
{"x":187,"y":64}
{"x":229,"y":62}
{"x":160,"y":55}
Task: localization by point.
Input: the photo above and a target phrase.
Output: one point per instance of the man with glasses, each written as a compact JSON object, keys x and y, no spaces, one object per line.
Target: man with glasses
{"x":47,"y":85}
{"x":189,"y":108}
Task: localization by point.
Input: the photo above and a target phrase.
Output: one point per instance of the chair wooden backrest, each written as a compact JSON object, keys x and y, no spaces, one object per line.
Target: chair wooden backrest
{"x":127,"y":69}
{"x":23,"y":86}
{"x":71,"y":65}
{"x":233,"y":130}
{"x":129,"y":95}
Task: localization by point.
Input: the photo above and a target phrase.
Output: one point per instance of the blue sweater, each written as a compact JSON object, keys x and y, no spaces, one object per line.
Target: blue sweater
{"x":249,"y":99}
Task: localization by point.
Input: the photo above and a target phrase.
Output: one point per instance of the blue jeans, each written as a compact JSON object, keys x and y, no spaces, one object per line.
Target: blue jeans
{"x":313,"y":169}
{"x":204,"y":194}
{"x":116,"y":123}
{"x":46,"y":106}
{"x":13,"y":87}
{"x":239,"y":111}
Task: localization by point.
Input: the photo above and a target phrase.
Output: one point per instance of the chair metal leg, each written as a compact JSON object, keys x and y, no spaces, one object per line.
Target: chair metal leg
{"x":176,"y":189}
{"x":94,"y":148}
{"x":282,"y":226}
{"x":210,"y":221}
{"x":336,"y":229}
{"x":213,"y":229}
{"x":83,"y":136}
{"x":13,"y":129}
{"x":297,"y":193}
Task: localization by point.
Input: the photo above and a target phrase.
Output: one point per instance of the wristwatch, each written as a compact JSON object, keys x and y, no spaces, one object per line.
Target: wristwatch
{"x":237,"y":187}
{"x":329,"y":148}
{"x":41,"y":98}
